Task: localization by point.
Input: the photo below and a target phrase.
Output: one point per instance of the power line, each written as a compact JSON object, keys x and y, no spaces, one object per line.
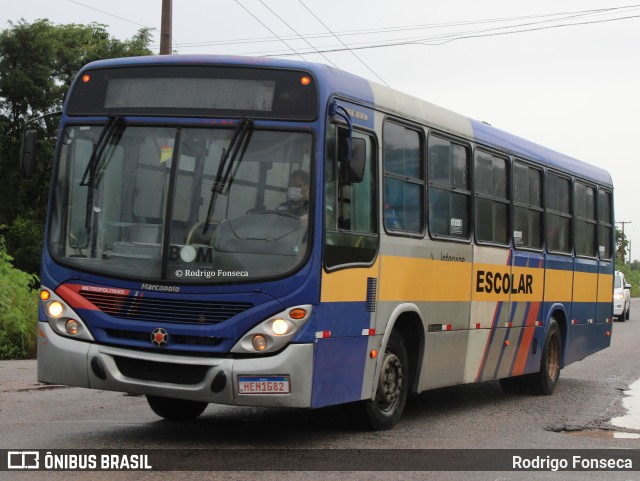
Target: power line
{"x":339,"y":40}
{"x":294,"y":31}
{"x":274,"y":33}
{"x":441,"y":40}
{"x":493,"y":33}
{"x":112,"y":15}
{"x":558,"y":16}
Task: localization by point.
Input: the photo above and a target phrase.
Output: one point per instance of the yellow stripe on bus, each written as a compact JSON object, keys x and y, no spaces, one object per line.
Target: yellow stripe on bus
{"x":585,"y":287}
{"x":605,"y":287}
{"x":411,"y":279}
{"x":347,"y":285}
{"x":407,"y":279}
{"x":558,"y":286}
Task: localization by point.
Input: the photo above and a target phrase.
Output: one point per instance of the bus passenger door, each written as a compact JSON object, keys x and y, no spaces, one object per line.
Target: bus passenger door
{"x":581,"y":340}
{"x":346,"y":314}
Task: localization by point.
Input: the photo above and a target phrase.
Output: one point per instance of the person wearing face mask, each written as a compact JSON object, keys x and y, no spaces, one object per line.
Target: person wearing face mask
{"x":297,"y":202}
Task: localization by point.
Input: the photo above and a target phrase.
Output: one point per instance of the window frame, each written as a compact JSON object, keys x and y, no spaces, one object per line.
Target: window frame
{"x":610,"y":225}
{"x":422,"y":181}
{"x":548,"y":211}
{"x":507,"y":201}
{"x":336,"y":229}
{"x":592,"y":221}
{"x":465,"y":144}
{"x":530,"y":207}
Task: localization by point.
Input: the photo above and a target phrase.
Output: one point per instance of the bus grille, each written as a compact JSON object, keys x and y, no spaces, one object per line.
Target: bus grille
{"x":164,"y":310}
{"x":160,"y":371}
{"x":175,"y":338}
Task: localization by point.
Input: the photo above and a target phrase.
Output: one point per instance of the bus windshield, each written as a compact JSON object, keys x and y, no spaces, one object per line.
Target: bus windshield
{"x":138,"y":202}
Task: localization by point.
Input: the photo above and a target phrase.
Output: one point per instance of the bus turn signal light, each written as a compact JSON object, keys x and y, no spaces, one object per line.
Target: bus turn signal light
{"x":297,"y":314}
{"x":45,"y":295}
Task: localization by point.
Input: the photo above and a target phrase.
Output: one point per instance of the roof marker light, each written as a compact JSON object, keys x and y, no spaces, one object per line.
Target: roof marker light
{"x":86,"y":78}
{"x":305,"y":80}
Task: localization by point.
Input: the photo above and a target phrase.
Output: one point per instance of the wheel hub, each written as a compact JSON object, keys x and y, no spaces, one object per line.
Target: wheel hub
{"x":390,"y":383}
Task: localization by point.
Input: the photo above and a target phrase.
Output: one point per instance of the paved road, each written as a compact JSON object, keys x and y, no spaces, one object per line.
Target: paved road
{"x":34,"y":416}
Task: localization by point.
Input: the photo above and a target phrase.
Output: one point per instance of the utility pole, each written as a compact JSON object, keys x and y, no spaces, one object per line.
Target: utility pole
{"x":165,"y":28}
{"x":624,"y":222}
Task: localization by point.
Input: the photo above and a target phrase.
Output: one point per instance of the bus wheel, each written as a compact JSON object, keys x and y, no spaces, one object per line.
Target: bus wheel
{"x":391,"y":395}
{"x":176,"y":409}
{"x":546,"y":380}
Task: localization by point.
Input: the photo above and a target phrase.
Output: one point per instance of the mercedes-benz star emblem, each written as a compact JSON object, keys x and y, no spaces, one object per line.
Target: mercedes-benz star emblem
{"x":159,"y":337}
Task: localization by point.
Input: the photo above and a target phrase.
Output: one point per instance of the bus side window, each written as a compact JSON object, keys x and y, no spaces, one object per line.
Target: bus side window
{"x":449,"y":189}
{"x":403,"y":179}
{"x":605,"y":224}
{"x":558,"y":213}
{"x":350,"y":207}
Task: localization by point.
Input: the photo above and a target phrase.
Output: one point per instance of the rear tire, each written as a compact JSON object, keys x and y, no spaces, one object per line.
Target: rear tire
{"x":385,"y":410}
{"x":176,"y":409}
{"x":545,"y":381}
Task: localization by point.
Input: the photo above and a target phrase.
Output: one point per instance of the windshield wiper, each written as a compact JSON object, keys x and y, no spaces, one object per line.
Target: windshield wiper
{"x":91,"y":177}
{"x":98,"y":150}
{"x":229,"y":163}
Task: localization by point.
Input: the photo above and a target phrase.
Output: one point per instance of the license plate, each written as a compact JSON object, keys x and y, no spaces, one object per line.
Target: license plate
{"x":263,"y":385}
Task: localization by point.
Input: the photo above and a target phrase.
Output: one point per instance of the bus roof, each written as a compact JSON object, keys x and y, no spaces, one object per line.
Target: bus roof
{"x":336,"y":81}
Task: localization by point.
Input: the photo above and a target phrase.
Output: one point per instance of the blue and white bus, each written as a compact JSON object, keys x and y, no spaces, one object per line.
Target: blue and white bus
{"x":263,"y":232}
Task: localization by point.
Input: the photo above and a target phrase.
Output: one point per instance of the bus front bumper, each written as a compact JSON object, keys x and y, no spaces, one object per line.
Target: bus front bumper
{"x":216,"y":380}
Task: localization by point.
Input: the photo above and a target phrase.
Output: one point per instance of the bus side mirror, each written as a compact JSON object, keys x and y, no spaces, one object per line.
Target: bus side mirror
{"x":356,"y":164}
{"x":352,"y":162}
{"x":28,"y":154}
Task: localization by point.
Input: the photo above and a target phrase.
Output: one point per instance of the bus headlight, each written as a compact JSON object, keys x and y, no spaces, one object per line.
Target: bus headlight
{"x":62,"y":318}
{"x":259,"y":342}
{"x":55,"y":309}
{"x":72,"y":327}
{"x":274,"y":333}
{"x":280,"y":327}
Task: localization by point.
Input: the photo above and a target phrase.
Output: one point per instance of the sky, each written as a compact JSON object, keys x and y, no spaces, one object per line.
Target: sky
{"x":562,"y":73}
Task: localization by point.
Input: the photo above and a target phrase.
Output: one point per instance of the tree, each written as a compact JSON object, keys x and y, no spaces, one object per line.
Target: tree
{"x":38,"y":62}
{"x":621,"y":247}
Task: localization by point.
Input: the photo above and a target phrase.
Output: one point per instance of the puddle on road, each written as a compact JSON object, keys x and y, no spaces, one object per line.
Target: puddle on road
{"x":597,"y":433}
{"x":631,"y":403}
{"x":630,"y":421}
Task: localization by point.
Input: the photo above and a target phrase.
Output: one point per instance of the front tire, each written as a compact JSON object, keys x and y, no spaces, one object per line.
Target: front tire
{"x":393,"y":386}
{"x":176,"y":409}
{"x":628,"y":313}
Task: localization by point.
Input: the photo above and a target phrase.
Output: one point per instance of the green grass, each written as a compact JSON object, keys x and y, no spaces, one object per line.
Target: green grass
{"x":18,"y":310}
